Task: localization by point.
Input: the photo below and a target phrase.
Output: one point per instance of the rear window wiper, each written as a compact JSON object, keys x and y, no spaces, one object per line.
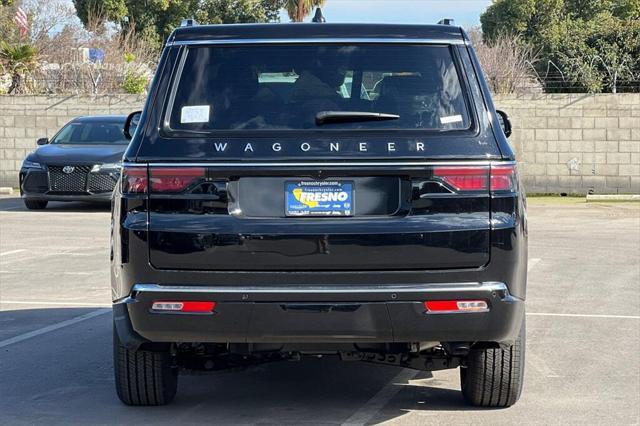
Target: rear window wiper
{"x":324,"y":117}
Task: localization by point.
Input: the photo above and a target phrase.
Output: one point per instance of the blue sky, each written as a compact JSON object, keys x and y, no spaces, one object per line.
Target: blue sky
{"x":465,"y":12}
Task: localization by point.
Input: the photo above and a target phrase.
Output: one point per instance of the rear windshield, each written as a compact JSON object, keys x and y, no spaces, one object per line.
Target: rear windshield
{"x":318,"y":87}
{"x":94,"y":132}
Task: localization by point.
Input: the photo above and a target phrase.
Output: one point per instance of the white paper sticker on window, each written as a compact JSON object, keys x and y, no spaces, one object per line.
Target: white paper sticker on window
{"x":195,"y":114}
{"x":451,"y":119}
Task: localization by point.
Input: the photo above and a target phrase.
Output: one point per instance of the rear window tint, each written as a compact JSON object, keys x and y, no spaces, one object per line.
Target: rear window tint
{"x":286,"y":86}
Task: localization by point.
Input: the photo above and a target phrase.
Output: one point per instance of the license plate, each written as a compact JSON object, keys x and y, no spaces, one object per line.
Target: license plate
{"x":319,"y":198}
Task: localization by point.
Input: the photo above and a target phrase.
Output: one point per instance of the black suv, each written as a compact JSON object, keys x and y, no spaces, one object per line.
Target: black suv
{"x":306,"y":189}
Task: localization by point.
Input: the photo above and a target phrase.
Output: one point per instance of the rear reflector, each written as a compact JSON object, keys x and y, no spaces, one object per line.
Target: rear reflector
{"x":174,"y":179}
{"x":184,"y":306}
{"x":442,"y":306}
{"x":134,"y":180}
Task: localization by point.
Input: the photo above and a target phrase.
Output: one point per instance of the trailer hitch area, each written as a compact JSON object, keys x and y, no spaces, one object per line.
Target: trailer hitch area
{"x":421,"y":361}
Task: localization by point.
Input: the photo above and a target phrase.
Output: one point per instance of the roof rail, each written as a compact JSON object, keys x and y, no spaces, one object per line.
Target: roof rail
{"x":188,"y":22}
{"x":447,"y":21}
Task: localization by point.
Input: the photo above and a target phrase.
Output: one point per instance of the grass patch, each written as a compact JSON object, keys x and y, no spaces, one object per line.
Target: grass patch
{"x":555,"y":199}
{"x":547,"y":199}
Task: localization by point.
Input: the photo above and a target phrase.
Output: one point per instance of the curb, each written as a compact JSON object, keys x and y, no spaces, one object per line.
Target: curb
{"x":626,"y":197}
{"x":6,"y":190}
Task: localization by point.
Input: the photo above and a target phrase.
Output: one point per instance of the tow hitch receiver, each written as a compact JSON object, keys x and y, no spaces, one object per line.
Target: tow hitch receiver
{"x":432,"y":361}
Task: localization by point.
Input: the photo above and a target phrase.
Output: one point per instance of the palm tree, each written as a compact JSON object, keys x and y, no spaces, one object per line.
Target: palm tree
{"x":19,"y":59}
{"x":299,"y":9}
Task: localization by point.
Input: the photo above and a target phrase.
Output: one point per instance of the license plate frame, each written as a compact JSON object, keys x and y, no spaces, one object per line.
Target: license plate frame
{"x":304,"y":198}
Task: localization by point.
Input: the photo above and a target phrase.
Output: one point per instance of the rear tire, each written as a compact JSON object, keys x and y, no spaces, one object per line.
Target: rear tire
{"x":143,"y":377}
{"x":35,"y":204}
{"x":494,"y":377}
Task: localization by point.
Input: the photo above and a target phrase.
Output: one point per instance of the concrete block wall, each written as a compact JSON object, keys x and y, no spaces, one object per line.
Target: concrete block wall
{"x":574,"y":143}
{"x":23,"y":119}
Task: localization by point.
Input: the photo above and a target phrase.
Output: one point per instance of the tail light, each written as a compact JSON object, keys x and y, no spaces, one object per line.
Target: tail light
{"x":174,"y":179}
{"x":453,"y":306}
{"x":193,"y":307}
{"x":503,"y":177}
{"x":464,"y":178}
{"x":478,"y":178}
{"x":134,"y":180}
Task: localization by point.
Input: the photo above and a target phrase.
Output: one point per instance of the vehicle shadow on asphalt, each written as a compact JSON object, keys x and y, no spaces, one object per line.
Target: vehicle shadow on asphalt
{"x":424,"y":398}
{"x":338,"y":387}
{"x":326,"y":391}
{"x":15,"y":204}
{"x":16,"y":319}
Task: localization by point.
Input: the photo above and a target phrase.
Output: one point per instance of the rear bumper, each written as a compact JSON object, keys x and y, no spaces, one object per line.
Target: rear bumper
{"x":319,"y":314}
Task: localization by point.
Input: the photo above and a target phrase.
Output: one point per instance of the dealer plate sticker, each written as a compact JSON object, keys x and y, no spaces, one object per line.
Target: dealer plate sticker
{"x":319,"y":198}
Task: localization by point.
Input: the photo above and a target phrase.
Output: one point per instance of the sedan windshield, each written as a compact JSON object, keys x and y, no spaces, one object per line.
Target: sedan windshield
{"x":365,"y":86}
{"x":91,"y":133}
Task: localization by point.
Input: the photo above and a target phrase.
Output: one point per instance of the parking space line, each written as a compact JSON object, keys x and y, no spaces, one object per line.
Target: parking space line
{"x":12,"y":252}
{"x":66,"y":252}
{"x":53,"y":327}
{"x":56,"y":303}
{"x":370,"y":409}
{"x":550,"y":314}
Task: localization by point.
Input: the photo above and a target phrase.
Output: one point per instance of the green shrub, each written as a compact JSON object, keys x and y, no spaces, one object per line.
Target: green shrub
{"x":134,"y":83}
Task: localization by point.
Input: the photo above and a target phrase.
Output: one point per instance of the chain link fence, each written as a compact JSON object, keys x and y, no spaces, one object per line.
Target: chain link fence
{"x":98,"y":79}
{"x":79,"y":78}
{"x":552,"y":84}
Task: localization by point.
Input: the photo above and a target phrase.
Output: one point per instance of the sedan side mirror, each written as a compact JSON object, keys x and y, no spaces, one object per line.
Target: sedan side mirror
{"x":131,"y":124}
{"x":505,"y":123}
{"x":43,"y":141}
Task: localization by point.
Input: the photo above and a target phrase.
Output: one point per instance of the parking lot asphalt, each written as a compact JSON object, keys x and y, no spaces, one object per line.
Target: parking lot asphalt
{"x":583,"y":337}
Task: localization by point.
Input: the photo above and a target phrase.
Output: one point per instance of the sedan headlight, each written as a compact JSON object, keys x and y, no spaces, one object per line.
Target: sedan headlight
{"x":107,"y":167}
{"x":27,"y":164}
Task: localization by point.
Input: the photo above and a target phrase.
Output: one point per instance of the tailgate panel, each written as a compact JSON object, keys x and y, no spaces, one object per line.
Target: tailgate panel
{"x":330,"y":251}
{"x":401,"y":222}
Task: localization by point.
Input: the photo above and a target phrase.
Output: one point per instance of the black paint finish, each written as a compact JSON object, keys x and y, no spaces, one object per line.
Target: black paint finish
{"x":306,"y":31}
{"x":411,"y":230}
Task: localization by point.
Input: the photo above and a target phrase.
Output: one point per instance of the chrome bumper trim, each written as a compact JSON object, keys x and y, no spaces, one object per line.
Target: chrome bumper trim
{"x":427,"y":288}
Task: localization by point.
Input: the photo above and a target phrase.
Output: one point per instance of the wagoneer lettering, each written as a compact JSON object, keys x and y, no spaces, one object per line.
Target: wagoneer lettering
{"x":321,"y":148}
{"x":328,"y":200}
